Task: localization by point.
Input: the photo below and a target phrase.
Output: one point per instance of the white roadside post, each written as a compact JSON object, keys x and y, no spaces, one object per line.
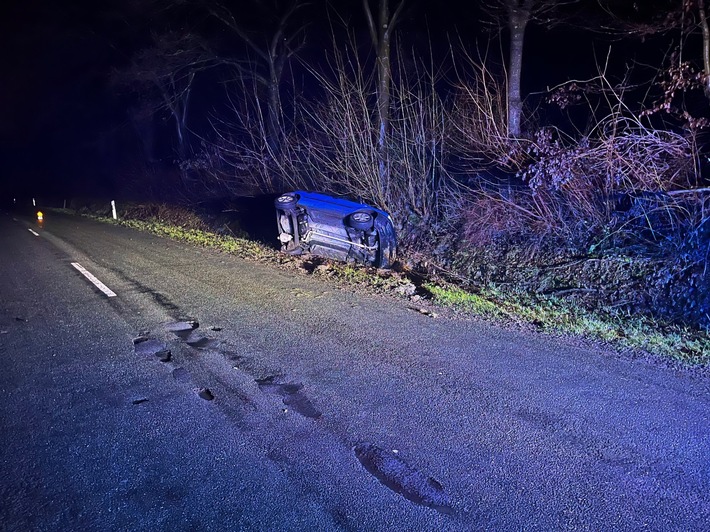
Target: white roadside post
{"x":34,"y":204}
{"x":113,"y":208}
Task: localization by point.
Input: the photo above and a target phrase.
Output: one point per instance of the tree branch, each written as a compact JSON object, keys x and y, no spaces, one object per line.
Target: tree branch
{"x":370,"y":22}
{"x":226,"y":17}
{"x":393,"y":20}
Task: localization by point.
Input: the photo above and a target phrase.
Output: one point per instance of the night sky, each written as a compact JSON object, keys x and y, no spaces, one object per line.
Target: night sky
{"x":63,"y":126}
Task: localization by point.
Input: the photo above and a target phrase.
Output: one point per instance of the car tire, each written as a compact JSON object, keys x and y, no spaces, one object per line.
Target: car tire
{"x":361,"y":220}
{"x":286,"y":202}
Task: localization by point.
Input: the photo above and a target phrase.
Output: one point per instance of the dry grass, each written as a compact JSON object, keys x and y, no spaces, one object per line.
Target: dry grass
{"x":162,"y":213}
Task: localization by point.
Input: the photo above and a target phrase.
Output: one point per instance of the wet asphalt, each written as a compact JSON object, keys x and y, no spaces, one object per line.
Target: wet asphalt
{"x":214,"y":393}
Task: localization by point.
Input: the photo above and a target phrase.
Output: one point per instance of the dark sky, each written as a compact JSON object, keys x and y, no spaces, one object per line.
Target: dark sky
{"x":57,"y":107}
{"x":56,"y":56}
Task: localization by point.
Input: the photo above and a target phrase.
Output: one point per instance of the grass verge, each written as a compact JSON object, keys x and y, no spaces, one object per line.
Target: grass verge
{"x":241,"y":247}
{"x":688,"y":346}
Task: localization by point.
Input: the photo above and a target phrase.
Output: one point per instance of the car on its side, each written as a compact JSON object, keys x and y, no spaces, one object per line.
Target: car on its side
{"x":335,"y":228}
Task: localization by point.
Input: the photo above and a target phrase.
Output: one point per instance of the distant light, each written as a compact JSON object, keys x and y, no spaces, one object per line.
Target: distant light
{"x":40,"y":216}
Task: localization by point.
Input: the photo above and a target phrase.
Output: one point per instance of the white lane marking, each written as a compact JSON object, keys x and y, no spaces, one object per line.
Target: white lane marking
{"x":31,"y":231}
{"x":101,"y":286}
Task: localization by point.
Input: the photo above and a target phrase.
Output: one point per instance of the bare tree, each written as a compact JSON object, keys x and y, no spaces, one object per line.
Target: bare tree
{"x":517,"y":14}
{"x":272,"y":49}
{"x":168,"y":68}
{"x":381,"y":31}
{"x":703,"y":22}
{"x":340,"y":148}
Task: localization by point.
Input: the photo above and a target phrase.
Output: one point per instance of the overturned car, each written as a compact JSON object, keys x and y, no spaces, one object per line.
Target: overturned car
{"x":335,"y":228}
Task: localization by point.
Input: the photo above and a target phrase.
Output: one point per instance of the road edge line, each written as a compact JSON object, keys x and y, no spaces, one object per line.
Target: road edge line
{"x":98,"y":284}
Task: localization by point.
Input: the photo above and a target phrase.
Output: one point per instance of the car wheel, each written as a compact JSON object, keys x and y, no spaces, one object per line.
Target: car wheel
{"x":286,"y":202}
{"x":361,"y":220}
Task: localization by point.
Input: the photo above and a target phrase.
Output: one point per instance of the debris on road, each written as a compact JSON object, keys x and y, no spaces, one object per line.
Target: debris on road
{"x":424,"y":311}
{"x":145,"y":346}
{"x":206,"y":394}
{"x":198,"y":340}
{"x":182,"y":326}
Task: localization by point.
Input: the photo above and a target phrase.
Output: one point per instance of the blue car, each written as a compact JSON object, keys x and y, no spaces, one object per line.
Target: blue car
{"x":335,"y":228}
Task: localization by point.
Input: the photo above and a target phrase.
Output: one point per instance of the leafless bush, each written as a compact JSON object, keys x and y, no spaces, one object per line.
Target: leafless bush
{"x":170,"y":214}
{"x":330,"y":143}
{"x":622,"y":177}
{"x":478,"y":121}
{"x":493,"y":215}
{"x":619,"y":154}
{"x":341,"y":150}
{"x":247,"y":155}
{"x":619,"y":159}
{"x":340,"y":142}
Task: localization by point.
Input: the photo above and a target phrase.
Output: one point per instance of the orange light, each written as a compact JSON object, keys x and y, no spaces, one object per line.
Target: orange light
{"x":40,"y":216}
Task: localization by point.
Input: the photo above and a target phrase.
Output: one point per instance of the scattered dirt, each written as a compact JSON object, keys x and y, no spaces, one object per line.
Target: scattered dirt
{"x":198,"y":340}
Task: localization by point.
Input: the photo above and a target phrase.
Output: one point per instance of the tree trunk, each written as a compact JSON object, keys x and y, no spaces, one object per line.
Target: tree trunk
{"x":178,"y":102}
{"x":273,"y":121}
{"x":706,"y":45}
{"x":518,"y":17}
{"x":384,"y":74}
{"x":274,"y":108}
{"x":276,"y":58}
{"x":381,"y":33}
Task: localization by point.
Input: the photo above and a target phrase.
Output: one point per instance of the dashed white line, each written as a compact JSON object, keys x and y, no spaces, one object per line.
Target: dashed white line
{"x":101,"y":286}
{"x":33,"y":232}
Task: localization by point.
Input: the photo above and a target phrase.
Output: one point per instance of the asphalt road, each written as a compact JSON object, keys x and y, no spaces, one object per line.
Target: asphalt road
{"x":299,"y":405}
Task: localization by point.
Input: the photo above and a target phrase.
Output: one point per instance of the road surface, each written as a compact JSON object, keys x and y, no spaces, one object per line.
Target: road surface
{"x":300,"y":405}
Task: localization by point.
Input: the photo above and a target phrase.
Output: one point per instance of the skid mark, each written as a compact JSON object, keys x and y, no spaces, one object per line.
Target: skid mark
{"x":292,"y":395}
{"x":402,"y":478}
